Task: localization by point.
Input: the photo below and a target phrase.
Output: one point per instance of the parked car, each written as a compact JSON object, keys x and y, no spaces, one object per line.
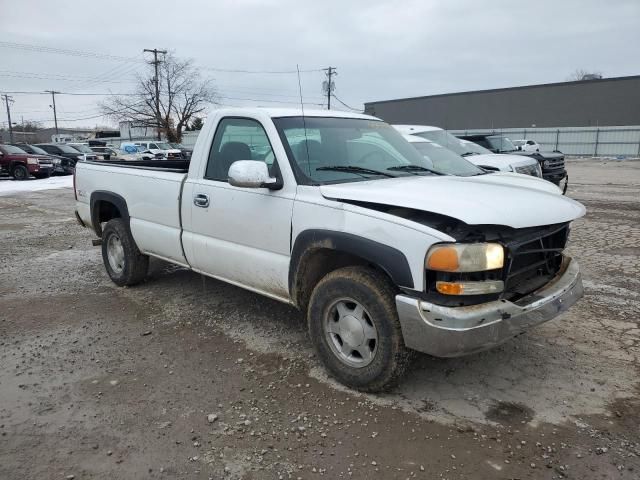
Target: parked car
{"x":55,"y":160}
{"x":527,"y":145}
{"x":552,"y":163}
{"x":83,"y":148}
{"x":484,"y":159}
{"x":446,"y":161}
{"x":69,"y":154}
{"x":106,"y":153}
{"x":161,"y":147}
{"x":383,"y":260}
{"x":186,"y":152}
{"x":20,"y":164}
{"x":131,"y":151}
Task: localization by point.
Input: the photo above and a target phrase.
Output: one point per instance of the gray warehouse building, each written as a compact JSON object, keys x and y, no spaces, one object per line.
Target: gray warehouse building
{"x":587,"y":117}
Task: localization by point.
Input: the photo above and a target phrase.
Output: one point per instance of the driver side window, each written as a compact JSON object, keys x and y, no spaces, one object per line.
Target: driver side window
{"x":237,"y":139}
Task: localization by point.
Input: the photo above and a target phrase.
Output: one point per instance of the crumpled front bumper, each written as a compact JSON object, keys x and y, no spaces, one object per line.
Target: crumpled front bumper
{"x":457,"y":331}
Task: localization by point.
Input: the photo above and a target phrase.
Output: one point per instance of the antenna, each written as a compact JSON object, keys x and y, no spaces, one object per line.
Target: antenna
{"x":304,"y":122}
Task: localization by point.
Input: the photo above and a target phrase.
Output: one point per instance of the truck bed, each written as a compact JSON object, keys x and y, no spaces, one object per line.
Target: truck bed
{"x":178,"y":166}
{"x":152,"y":190}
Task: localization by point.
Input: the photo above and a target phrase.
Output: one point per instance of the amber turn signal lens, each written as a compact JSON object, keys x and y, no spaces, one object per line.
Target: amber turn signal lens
{"x":449,"y":288}
{"x":443,"y":259}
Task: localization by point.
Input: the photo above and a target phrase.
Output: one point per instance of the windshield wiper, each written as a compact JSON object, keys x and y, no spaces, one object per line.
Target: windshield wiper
{"x":355,"y":169}
{"x":415,"y":168}
{"x":466,"y":154}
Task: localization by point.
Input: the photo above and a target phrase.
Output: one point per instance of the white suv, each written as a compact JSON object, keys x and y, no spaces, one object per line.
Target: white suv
{"x":474,"y":153}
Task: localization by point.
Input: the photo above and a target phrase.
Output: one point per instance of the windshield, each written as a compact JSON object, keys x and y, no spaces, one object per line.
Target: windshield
{"x":164,"y":146}
{"x":67,"y":149}
{"x":176,"y":145}
{"x":332,"y":150}
{"x":82,"y":148}
{"x":475,"y":149}
{"x":502,"y":144}
{"x":10,"y":149}
{"x":445,"y":161}
{"x":444,"y":138}
{"x":37,"y":150}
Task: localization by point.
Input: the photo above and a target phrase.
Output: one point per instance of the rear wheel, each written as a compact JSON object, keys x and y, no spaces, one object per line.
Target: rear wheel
{"x":122,"y":259}
{"x":20,"y":172}
{"x":354,"y":326}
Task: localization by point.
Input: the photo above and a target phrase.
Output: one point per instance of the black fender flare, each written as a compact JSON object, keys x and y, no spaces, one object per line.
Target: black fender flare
{"x":391,"y":260}
{"x":100,"y":196}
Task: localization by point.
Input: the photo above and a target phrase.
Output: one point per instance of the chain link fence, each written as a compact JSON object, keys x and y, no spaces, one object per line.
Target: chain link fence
{"x":575,"y":141}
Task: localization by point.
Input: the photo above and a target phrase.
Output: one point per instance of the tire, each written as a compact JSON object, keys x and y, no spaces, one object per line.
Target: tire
{"x":386,"y":359}
{"x":42,"y":175}
{"x":20,"y":172}
{"x":123,"y":261}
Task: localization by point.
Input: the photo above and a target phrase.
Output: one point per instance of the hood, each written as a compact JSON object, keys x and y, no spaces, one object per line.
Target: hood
{"x":543,"y":155}
{"x":500,"y":160}
{"x":517,"y":201}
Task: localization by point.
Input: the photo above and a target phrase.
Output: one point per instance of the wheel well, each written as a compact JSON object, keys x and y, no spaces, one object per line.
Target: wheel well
{"x":103,"y":212}
{"x":315,"y":264}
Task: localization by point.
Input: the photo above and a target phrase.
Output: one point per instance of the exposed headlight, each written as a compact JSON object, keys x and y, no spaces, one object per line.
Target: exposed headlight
{"x":80,"y":157}
{"x":546,"y":163}
{"x":32,"y":161}
{"x":470,"y":257}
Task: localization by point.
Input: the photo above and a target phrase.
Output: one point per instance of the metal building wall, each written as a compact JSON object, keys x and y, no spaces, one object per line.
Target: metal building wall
{"x":611,"y":101}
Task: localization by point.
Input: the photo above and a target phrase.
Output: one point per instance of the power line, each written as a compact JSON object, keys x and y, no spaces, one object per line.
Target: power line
{"x":63,"y":51}
{"x":260,"y":72}
{"x":344,"y":104}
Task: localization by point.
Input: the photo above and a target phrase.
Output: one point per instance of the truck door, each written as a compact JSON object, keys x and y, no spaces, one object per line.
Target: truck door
{"x":240,"y":235}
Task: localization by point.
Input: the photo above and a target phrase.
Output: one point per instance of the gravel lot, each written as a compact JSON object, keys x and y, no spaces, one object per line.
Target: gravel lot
{"x":103,"y":382}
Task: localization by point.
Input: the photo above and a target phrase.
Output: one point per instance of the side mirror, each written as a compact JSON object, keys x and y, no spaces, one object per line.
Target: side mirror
{"x":251,"y":174}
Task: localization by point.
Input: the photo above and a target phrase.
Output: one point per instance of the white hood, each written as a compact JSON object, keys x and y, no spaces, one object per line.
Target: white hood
{"x":513,"y":200}
{"x":500,"y":160}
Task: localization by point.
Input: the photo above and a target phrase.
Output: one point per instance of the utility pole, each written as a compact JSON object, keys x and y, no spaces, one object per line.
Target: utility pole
{"x":53,"y":105}
{"x":155,"y":64}
{"x":7,"y":100}
{"x":328,"y":85}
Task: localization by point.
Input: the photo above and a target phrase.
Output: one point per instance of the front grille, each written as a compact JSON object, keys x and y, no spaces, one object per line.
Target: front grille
{"x":555,"y":164}
{"x":534,"y":257}
{"x":528,"y":170}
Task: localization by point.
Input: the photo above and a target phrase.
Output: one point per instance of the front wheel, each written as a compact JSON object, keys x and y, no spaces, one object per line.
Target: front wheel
{"x":123,"y":261}
{"x":39,"y":175}
{"x":20,"y":172}
{"x":354,"y":326}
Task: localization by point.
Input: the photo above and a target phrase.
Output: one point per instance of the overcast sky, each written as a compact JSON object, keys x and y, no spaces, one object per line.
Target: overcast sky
{"x":382,"y":50}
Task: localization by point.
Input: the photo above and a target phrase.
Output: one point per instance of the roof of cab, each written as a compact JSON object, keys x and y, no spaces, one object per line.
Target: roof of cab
{"x":292,"y":112}
{"x":413,"y":129}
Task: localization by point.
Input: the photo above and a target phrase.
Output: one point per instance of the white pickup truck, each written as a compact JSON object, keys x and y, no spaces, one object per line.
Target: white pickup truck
{"x":338,"y":215}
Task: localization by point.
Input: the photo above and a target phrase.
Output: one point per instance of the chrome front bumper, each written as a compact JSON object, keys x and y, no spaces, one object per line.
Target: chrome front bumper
{"x":456,"y":331}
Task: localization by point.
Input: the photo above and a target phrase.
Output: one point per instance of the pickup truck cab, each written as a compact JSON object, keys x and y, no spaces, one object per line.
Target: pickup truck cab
{"x":384,"y":255}
{"x":484,"y":159}
{"x":20,"y":164}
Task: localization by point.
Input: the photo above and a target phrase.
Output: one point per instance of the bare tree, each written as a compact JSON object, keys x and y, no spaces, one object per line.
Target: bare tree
{"x":183,"y":95}
{"x":581,"y":74}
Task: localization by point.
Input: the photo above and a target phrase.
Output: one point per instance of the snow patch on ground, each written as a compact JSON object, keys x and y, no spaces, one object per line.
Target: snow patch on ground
{"x":9,"y":186}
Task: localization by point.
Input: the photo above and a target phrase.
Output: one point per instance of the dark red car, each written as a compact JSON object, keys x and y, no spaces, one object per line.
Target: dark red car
{"x":20,"y":164}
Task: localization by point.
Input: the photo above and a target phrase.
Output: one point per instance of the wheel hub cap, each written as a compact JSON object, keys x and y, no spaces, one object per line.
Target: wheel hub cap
{"x":350,"y":333}
{"x":115,"y":253}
